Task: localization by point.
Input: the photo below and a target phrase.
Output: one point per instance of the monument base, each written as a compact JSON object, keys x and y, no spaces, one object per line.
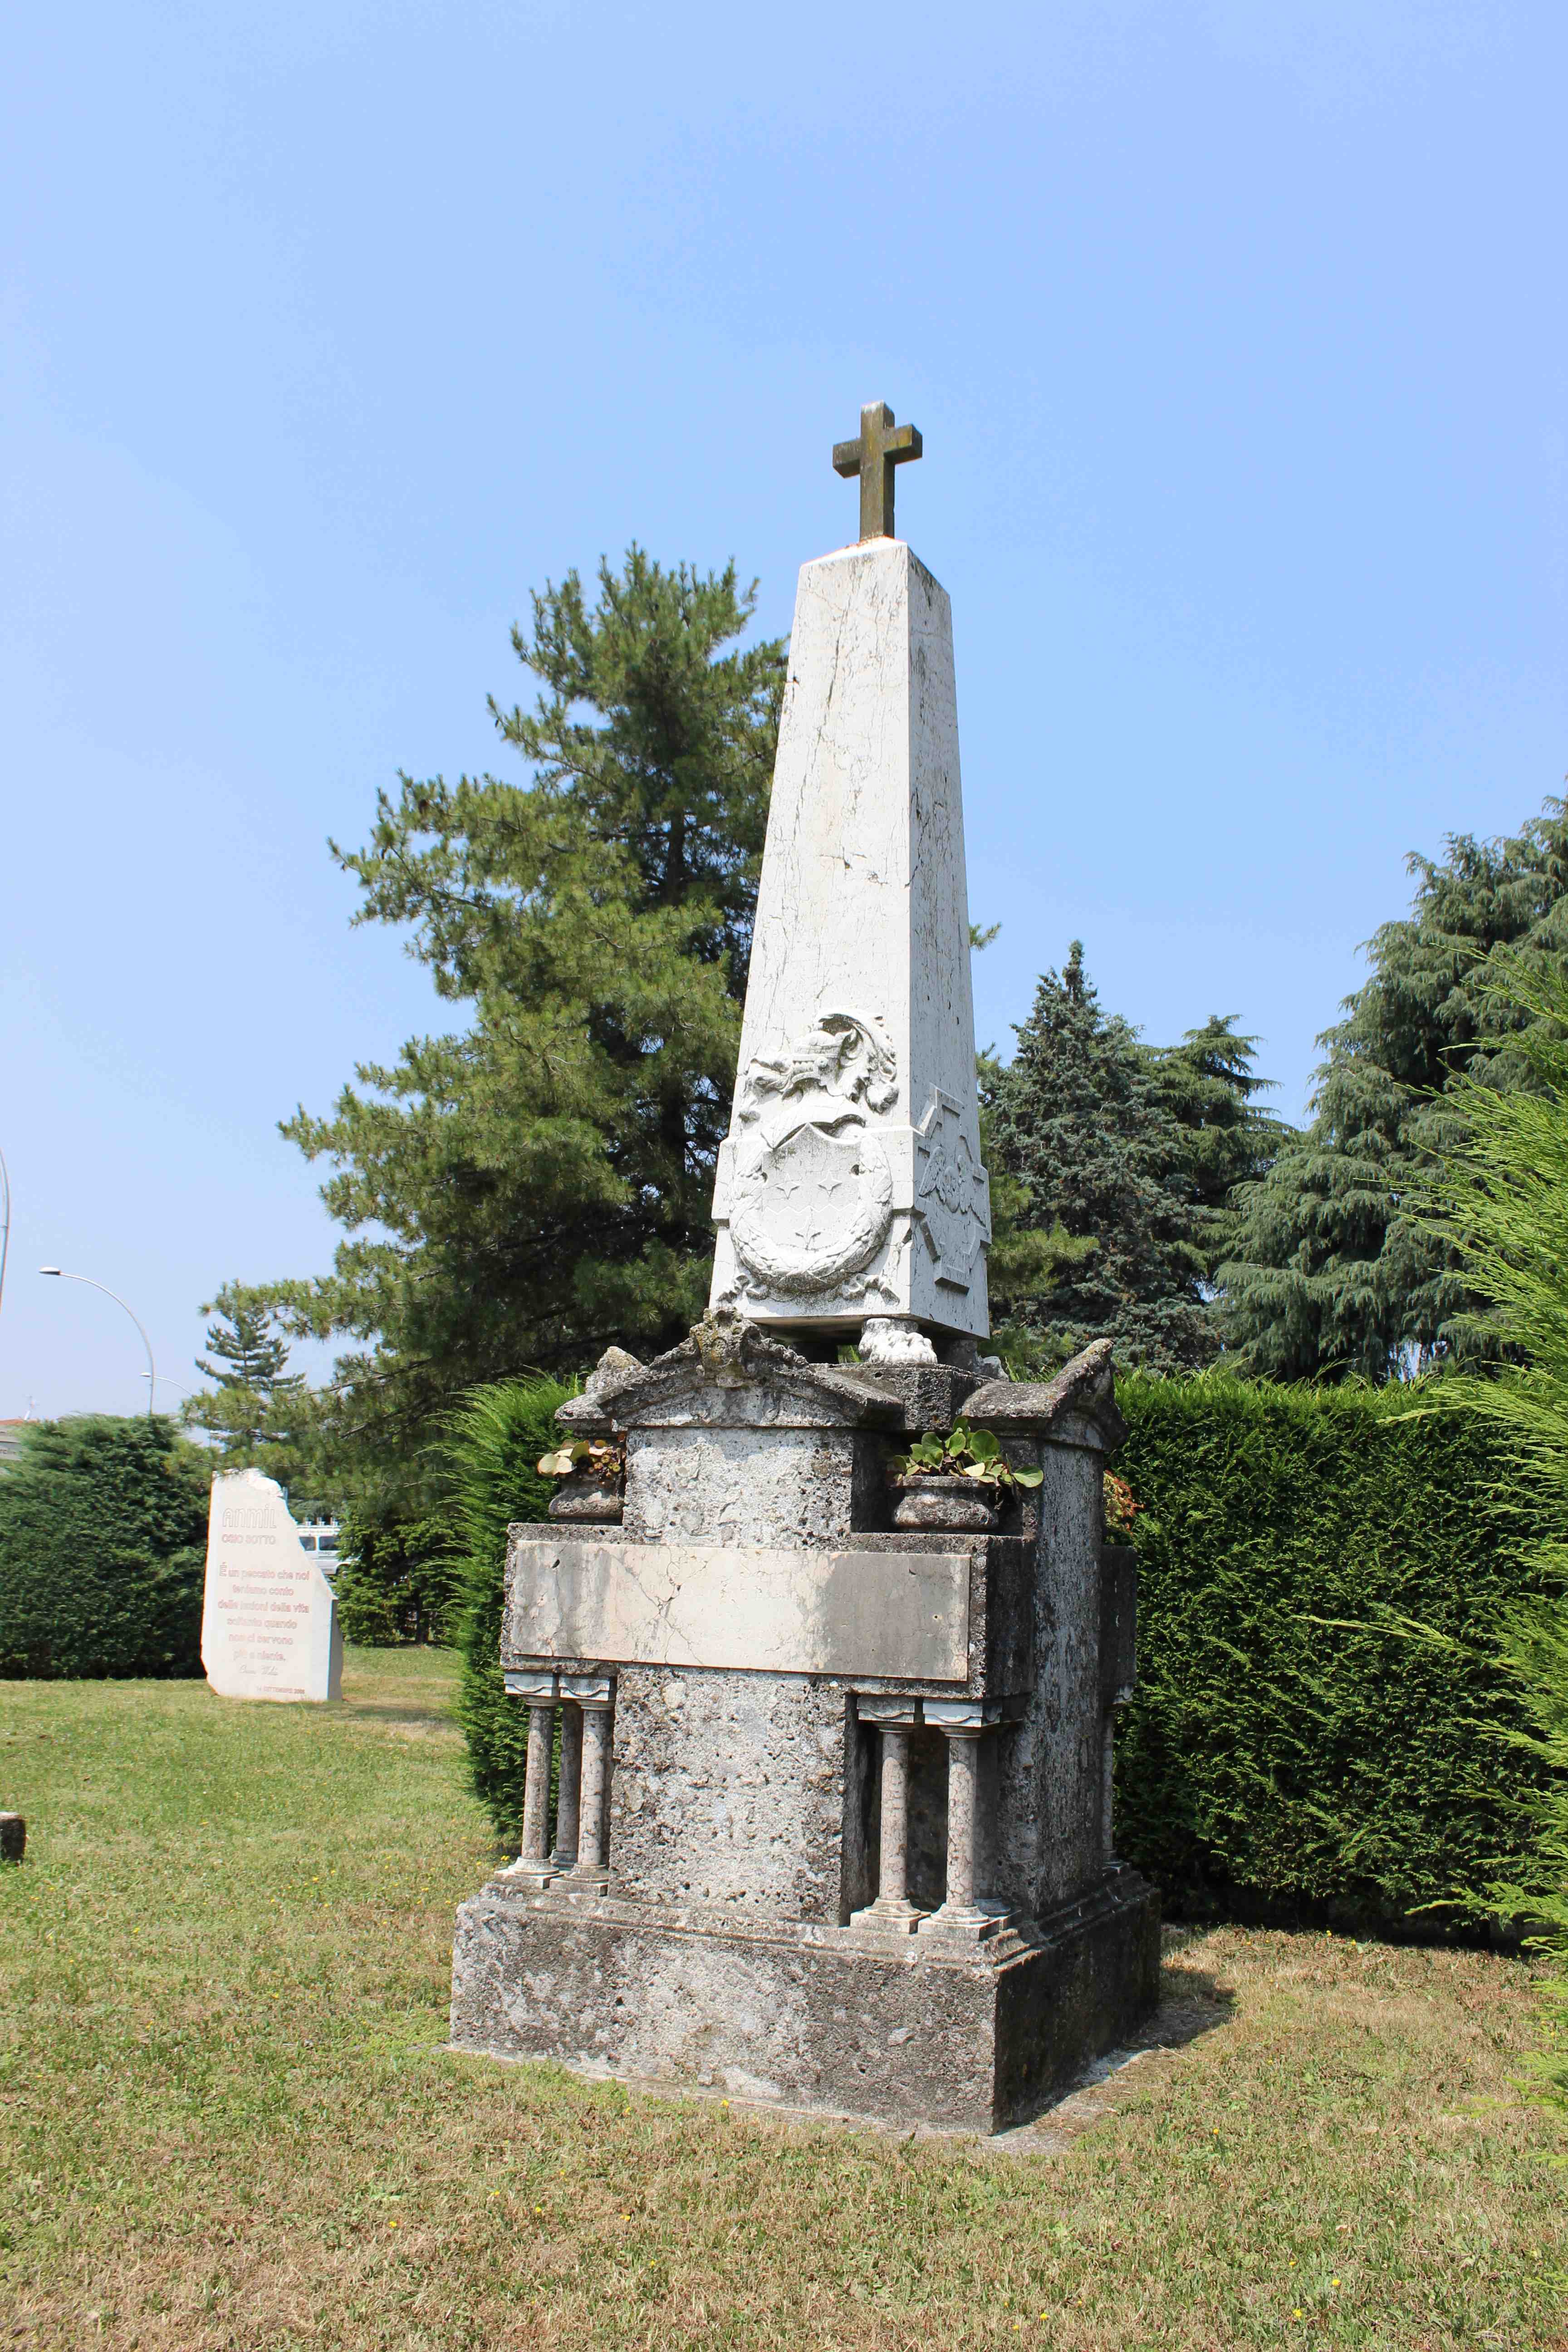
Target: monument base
{"x":852,"y":2021}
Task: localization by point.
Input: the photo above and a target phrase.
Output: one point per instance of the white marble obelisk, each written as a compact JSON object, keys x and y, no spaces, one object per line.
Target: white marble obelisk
{"x":851,"y":1187}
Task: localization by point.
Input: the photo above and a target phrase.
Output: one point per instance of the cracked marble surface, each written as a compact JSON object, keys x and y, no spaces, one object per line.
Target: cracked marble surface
{"x":851,"y":1182}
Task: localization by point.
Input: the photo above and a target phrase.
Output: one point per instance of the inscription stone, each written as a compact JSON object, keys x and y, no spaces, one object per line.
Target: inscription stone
{"x":269,"y":1626}
{"x":771,"y":1611}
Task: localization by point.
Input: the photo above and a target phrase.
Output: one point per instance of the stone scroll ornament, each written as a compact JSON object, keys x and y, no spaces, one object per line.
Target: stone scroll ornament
{"x":814,"y":1192}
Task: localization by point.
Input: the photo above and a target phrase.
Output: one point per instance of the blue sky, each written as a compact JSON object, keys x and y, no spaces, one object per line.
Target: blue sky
{"x":1235,"y":334}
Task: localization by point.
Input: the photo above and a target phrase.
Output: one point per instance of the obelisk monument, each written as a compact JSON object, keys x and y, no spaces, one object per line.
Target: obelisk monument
{"x":817,"y":1805}
{"x":850,"y":1196}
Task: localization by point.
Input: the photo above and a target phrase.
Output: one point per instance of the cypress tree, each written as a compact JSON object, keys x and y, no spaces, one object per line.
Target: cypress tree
{"x":103,"y":1536}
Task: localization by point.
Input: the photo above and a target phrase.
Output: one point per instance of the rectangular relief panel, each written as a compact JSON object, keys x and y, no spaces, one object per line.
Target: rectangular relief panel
{"x":859,"y":1614}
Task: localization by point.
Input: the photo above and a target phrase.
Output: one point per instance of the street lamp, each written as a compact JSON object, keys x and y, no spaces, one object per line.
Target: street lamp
{"x":60,"y":1274}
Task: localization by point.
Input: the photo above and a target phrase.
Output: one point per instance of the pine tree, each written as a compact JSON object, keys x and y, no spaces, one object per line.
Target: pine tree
{"x":257,"y":1410}
{"x":1331,"y":1273}
{"x":1024,"y":1261}
{"x":1082,"y":1117}
{"x":537,"y":1184}
{"x":1207,"y":1085}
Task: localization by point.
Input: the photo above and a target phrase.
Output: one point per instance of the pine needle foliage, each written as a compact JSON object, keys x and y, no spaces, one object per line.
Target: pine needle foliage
{"x":1502,"y":1200}
{"x":257,"y":1410}
{"x":1336,"y":1272}
{"x":537,"y":1183}
{"x":102,"y":1550}
{"x":1321,"y":1573}
{"x":492,"y":1456}
{"x":1113,"y":1163}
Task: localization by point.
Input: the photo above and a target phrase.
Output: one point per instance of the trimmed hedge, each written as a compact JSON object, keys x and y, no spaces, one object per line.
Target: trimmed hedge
{"x":397,"y":1580}
{"x":103,"y":1527}
{"x":1322,"y":1576}
{"x":492,"y":1456}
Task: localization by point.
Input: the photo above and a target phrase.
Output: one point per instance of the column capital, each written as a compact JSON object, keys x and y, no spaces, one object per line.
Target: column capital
{"x":887,"y":1713}
{"x":538,"y":1689}
{"x":589,"y":1690}
{"x":960,"y":1718}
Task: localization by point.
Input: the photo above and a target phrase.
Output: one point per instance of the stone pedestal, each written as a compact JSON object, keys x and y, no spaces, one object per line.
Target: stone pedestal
{"x":839,"y":1834}
{"x":810,"y":2017}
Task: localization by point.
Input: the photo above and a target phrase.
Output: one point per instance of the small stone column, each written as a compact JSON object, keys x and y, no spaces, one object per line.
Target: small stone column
{"x":596,"y":1696}
{"x":568,"y":1787}
{"x":895,"y":1719}
{"x":967,"y":1910}
{"x":536,"y":1786}
{"x":538,"y":1690}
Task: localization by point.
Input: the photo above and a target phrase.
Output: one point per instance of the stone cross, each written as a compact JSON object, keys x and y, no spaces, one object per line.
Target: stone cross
{"x":873,"y":457}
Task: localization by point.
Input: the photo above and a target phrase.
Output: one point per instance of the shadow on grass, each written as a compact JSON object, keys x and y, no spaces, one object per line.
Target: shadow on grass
{"x":422,"y":1699}
{"x":1192,"y":2002}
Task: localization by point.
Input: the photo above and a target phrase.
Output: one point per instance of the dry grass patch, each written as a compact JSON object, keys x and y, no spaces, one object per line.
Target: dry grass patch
{"x":227,"y":2121}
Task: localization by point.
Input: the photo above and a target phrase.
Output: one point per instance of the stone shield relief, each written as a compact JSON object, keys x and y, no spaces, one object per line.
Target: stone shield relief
{"x":812,"y":1208}
{"x":814,"y":1192}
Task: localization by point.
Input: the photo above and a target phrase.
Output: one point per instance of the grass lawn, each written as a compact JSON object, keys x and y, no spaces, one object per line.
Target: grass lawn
{"x":227,"y":2120}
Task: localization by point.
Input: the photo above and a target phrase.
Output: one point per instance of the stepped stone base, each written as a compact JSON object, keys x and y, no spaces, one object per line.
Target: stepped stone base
{"x":849,"y":2019}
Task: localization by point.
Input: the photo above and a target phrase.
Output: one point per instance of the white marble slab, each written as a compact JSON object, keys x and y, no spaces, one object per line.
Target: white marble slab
{"x":856,"y":1614}
{"x":270,"y":1624}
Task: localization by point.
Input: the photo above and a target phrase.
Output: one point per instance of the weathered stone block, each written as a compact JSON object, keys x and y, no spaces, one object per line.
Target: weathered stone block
{"x":859,"y":1612}
{"x":812,"y":2017}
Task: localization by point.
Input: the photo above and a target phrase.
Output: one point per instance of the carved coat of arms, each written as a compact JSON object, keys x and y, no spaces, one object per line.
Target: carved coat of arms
{"x":813,"y":1195}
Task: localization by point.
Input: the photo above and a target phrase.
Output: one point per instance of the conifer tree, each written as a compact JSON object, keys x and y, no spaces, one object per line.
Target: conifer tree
{"x":536,"y":1183}
{"x":1332,"y":1272}
{"x":1207,"y":1084}
{"x":257,"y":1408}
{"x":1082,"y":1119}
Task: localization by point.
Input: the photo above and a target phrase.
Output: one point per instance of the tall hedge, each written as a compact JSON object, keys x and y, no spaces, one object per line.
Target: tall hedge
{"x":1322,"y":1576}
{"x":396,"y":1579}
{"x":102,"y":1550}
{"x":497,"y":1438}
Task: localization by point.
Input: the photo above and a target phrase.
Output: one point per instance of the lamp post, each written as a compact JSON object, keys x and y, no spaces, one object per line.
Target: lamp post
{"x":60,"y":1274}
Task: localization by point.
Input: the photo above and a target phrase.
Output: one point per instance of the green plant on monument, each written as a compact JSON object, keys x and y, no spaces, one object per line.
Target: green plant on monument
{"x":962,"y":1453}
{"x":600,"y":1460}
